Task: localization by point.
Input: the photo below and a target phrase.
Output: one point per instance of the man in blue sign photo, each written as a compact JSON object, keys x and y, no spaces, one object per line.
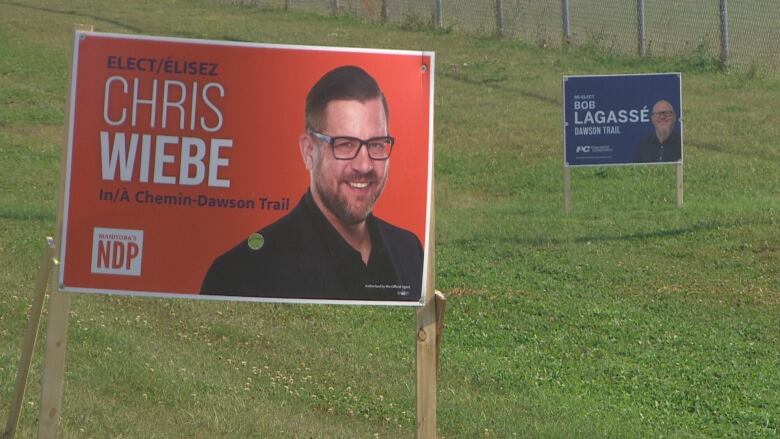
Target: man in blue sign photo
{"x":664,"y":145}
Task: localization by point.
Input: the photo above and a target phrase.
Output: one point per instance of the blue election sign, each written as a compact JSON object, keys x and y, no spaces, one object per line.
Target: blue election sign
{"x":622,"y":119}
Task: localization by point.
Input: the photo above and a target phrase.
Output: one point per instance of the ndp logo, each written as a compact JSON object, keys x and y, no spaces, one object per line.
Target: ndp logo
{"x":117,"y":251}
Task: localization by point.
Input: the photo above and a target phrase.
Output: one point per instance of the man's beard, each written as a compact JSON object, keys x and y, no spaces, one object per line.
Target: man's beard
{"x":349,"y":210}
{"x":663,"y":133}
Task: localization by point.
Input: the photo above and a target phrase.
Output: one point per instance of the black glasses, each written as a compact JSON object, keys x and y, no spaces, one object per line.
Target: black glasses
{"x":347,"y":148}
{"x":666,"y":113}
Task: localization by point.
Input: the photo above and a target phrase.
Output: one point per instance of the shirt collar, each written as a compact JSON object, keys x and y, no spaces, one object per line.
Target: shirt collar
{"x":334,"y":242}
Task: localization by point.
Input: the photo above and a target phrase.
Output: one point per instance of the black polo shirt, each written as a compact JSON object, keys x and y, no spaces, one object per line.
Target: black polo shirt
{"x":303,"y":256}
{"x":653,"y":150}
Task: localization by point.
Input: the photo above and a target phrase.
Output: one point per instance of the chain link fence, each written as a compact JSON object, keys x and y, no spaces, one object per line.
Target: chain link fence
{"x":742,"y":34}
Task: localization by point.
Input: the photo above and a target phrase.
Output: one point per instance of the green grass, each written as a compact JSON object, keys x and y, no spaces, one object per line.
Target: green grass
{"x":629,"y":318}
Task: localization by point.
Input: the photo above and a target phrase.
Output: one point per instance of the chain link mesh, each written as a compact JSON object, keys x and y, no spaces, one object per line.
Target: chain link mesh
{"x":671,"y":27}
{"x":608,"y":24}
{"x":478,"y":16}
{"x":676,"y":27}
{"x":754,"y":33}
{"x":536,"y":22}
{"x":413,"y":12}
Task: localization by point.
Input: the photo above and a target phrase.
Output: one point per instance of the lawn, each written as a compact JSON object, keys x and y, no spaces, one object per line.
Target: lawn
{"x":628,"y":318}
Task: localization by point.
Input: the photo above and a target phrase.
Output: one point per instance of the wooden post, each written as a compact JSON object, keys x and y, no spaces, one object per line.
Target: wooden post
{"x":441,"y":307}
{"x":426,"y":369}
{"x":59,"y":303}
{"x":679,"y":167}
{"x":54,"y":362}
{"x":566,"y":190}
{"x":426,"y":349}
{"x":30,"y":336}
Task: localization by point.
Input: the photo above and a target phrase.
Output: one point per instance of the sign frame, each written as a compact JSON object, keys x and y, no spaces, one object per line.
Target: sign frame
{"x":426,"y":61}
{"x":628,"y":115}
{"x":676,"y":100}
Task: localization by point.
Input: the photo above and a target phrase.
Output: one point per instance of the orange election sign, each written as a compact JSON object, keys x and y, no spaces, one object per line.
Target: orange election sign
{"x":179,"y":150}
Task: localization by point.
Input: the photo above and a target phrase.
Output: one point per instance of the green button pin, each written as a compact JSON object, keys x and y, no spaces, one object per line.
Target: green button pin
{"x":255,"y":241}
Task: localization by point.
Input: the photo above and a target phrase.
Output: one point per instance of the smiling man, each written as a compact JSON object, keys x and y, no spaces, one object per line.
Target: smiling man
{"x":664,"y":145}
{"x":330,"y":246}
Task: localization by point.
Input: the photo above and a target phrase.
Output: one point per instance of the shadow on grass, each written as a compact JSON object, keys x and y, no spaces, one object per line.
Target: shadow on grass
{"x":734,"y":150}
{"x":493,"y":84}
{"x":668,"y":233}
{"x":545,"y":241}
{"x":76,"y":14}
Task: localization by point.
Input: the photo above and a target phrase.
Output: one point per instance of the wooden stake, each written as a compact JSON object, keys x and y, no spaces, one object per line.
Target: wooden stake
{"x":59,"y":303}
{"x":30,"y":337}
{"x":441,"y":306}
{"x":566,"y":190}
{"x":426,"y":370}
{"x":679,"y":167}
{"x":54,"y":362}
{"x":426,"y":350}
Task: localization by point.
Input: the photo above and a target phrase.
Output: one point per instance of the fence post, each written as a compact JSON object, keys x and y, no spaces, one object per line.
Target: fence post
{"x":500,"y":17}
{"x":640,"y":26}
{"x":439,"y":15}
{"x":565,"y":17}
{"x":336,"y":7}
{"x":724,"y":33}
{"x":287,"y":5}
{"x":383,"y":13}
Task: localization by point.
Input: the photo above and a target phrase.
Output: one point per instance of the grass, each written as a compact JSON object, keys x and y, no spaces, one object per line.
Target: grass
{"x":629,"y":318}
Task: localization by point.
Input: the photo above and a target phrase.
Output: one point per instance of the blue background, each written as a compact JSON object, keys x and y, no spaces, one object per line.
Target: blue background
{"x":616,"y":92}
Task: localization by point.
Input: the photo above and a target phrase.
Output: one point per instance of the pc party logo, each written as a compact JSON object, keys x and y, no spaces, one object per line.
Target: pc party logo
{"x":117,"y":251}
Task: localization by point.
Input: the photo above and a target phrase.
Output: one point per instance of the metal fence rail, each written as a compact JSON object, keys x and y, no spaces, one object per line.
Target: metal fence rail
{"x":744,"y":34}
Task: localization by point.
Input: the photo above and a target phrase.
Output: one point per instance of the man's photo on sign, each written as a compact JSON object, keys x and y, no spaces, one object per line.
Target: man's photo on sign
{"x":330,"y":245}
{"x":665,"y":143}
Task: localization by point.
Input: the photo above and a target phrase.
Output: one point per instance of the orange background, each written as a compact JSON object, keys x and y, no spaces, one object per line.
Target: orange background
{"x":263,"y":113}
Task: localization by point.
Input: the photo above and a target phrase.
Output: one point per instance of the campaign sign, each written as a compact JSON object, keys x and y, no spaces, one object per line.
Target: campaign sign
{"x":622,"y":119}
{"x":240,"y":171}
